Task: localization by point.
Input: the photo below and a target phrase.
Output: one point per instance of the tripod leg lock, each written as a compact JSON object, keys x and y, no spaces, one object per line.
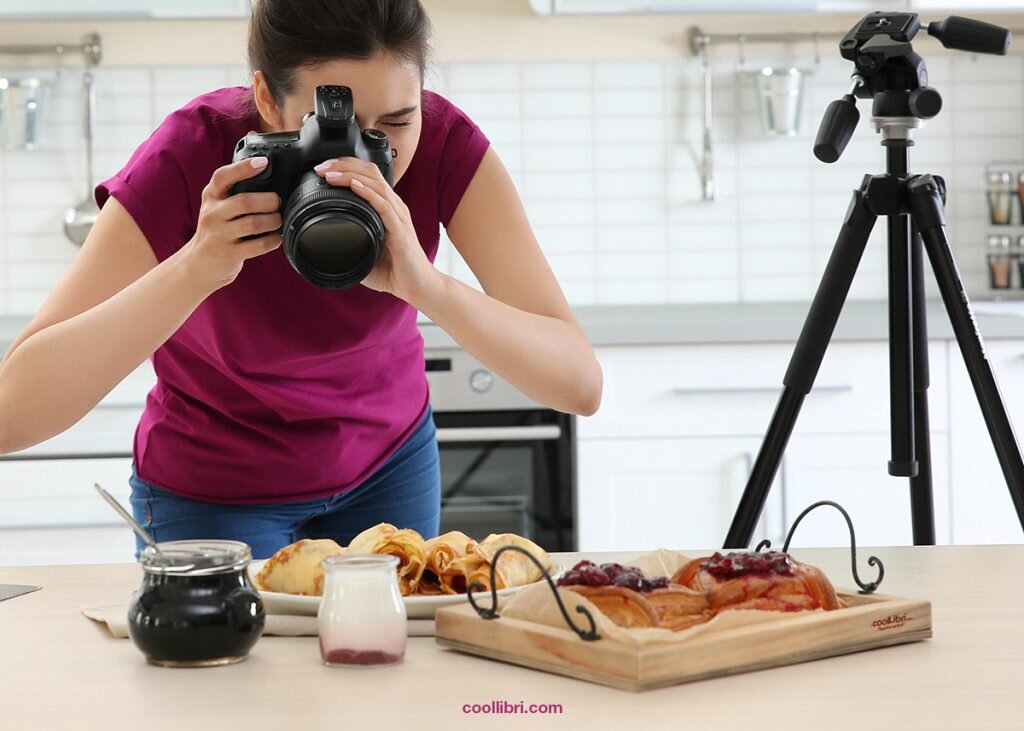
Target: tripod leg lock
{"x":925,"y":194}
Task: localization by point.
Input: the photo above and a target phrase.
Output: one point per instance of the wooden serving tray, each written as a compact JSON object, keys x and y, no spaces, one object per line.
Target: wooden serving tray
{"x":867,"y":623}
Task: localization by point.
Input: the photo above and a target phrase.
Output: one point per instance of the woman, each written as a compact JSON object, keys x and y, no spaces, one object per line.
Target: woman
{"x":282,"y":410}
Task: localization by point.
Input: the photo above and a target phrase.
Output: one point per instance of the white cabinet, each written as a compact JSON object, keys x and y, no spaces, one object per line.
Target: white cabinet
{"x":982,"y":509}
{"x":643,"y":494}
{"x":851,"y":469}
{"x":49,"y":511}
{"x":665,"y":460}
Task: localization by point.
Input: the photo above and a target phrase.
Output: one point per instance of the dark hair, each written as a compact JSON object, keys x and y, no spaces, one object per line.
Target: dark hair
{"x":286,"y":35}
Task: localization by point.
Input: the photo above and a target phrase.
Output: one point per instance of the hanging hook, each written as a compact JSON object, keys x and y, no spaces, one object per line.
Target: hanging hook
{"x":741,"y":44}
{"x":815,"y":38}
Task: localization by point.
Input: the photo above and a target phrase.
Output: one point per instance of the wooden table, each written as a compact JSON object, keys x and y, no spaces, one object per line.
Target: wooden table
{"x":59,"y":670}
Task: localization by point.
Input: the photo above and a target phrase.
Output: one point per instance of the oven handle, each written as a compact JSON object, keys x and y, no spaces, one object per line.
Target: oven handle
{"x":546,"y":432}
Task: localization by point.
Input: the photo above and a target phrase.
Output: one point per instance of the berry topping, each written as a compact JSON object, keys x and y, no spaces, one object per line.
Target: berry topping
{"x":587,"y":573}
{"x":731,"y":565}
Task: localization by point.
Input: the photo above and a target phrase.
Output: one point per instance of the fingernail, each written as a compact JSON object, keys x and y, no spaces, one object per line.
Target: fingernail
{"x":357,"y":184}
{"x":334,"y":176}
{"x":323,"y":166}
{"x":258,"y":162}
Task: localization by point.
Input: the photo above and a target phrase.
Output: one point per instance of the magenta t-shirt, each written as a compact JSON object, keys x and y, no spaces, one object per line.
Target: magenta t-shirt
{"x":274,"y":389}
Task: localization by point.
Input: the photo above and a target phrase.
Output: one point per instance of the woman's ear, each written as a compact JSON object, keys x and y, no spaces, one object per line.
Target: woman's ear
{"x":265,"y":103}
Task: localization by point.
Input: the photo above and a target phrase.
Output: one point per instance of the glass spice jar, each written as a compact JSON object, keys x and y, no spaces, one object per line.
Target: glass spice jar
{"x":362,"y":618}
{"x":196,"y":606}
{"x":1001,"y":192}
{"x":999,"y":261}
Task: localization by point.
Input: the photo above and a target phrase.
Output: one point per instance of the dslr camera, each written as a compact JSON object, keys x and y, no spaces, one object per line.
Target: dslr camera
{"x":331,"y":236}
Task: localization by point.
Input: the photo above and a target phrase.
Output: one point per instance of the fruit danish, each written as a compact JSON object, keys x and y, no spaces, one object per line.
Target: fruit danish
{"x":630,"y":599}
{"x":771,"y":581}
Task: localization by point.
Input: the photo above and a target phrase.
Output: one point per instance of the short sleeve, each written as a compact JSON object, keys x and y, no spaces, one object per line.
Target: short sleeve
{"x":464,"y":148}
{"x":161,"y":185}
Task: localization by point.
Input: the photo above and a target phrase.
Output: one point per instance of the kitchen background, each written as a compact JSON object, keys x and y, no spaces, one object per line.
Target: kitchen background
{"x":605,"y":155}
{"x":599,"y":121}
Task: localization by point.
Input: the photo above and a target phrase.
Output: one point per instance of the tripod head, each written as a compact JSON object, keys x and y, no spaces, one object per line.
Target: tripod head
{"x":889,"y":72}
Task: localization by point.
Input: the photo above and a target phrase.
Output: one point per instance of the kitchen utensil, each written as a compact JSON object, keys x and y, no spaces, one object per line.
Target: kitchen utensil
{"x":78,"y":221}
{"x":780,"y":99}
{"x":9,"y":591}
{"x":128,"y":517}
{"x":22,"y":104}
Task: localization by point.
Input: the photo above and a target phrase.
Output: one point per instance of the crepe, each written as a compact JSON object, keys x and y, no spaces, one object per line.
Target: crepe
{"x":441,"y":552}
{"x":406,"y":544}
{"x":297,"y":569}
{"x":513,"y":568}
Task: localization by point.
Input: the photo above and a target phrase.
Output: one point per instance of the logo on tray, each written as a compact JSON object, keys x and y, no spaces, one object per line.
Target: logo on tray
{"x":893,"y":621}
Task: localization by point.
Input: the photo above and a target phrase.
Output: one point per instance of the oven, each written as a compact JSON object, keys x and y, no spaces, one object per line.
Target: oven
{"x":507,"y":463}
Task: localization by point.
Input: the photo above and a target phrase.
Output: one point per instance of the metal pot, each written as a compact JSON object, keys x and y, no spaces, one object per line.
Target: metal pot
{"x":22,"y":105}
{"x":780,"y":99}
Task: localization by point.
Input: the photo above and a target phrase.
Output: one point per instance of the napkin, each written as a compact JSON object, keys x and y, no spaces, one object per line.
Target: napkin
{"x":115,"y":617}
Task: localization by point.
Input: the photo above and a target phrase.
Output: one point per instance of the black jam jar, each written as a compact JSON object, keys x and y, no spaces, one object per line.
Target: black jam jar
{"x":196,"y":606}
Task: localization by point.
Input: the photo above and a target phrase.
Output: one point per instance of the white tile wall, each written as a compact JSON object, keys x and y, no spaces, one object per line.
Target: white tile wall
{"x":605,"y":156}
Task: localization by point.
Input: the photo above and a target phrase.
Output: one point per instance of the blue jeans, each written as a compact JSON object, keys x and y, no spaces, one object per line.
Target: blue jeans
{"x":405,"y":491}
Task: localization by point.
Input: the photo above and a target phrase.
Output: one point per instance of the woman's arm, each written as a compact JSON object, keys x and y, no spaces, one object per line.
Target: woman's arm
{"x":115,"y":305}
{"x":522,"y":328}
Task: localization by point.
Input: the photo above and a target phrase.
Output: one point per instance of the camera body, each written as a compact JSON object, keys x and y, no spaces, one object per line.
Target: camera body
{"x":330,"y":235}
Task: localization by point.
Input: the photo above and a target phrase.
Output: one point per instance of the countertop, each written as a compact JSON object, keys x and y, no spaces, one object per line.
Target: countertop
{"x":720,"y":323}
{"x":60,"y":670}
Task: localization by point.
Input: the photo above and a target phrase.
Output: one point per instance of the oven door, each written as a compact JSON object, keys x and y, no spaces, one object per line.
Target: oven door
{"x":509,"y":472}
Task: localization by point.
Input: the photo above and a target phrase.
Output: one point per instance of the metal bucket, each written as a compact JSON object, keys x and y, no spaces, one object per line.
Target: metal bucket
{"x":23,"y":103}
{"x":780,"y":93}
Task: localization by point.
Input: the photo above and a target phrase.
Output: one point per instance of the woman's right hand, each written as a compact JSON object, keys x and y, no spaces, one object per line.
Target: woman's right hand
{"x":217,"y":251}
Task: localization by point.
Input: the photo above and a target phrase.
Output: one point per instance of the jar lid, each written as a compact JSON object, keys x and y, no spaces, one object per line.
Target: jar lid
{"x":196,"y":558}
{"x":999,"y":176}
{"x":999,"y":241}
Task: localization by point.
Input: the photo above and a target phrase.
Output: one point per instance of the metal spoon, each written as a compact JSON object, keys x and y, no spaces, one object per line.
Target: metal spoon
{"x":128,"y":517}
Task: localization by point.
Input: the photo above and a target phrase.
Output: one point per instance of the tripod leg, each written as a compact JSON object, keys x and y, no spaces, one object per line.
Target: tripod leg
{"x":922,"y":509}
{"x":901,"y":333}
{"x":804,"y":364}
{"x":929,"y":216}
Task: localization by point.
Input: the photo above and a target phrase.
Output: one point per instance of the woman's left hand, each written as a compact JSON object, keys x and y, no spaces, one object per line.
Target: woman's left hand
{"x":403,"y":268}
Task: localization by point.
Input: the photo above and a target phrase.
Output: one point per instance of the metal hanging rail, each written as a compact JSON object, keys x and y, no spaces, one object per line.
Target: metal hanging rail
{"x":700,"y":43}
{"x":91,"y":48}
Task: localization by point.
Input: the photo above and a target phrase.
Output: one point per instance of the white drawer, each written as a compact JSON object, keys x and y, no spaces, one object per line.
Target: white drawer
{"x":52,"y":546}
{"x":712,"y":390}
{"x":53,"y":493}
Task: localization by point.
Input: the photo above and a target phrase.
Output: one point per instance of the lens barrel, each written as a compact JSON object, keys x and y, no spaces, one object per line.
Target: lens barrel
{"x":332,"y":237}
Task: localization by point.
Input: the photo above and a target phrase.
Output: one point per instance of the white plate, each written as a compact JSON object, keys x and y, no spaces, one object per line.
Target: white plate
{"x":416,"y":607}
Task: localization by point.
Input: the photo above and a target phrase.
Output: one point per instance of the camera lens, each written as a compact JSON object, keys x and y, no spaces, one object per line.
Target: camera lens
{"x":332,"y":237}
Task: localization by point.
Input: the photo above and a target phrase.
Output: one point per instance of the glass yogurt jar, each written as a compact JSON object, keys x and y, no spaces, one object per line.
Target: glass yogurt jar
{"x":362,"y":619}
{"x":196,"y":606}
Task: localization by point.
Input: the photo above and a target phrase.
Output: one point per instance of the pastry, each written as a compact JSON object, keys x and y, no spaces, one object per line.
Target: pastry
{"x":631,"y":599}
{"x":678,"y":607}
{"x":297,"y":569}
{"x":441,"y":552}
{"x":625,"y":607}
{"x":406,"y":544}
{"x":769,"y":581}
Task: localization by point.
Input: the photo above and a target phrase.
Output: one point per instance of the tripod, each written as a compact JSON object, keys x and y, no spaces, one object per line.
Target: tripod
{"x":890,"y":73}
